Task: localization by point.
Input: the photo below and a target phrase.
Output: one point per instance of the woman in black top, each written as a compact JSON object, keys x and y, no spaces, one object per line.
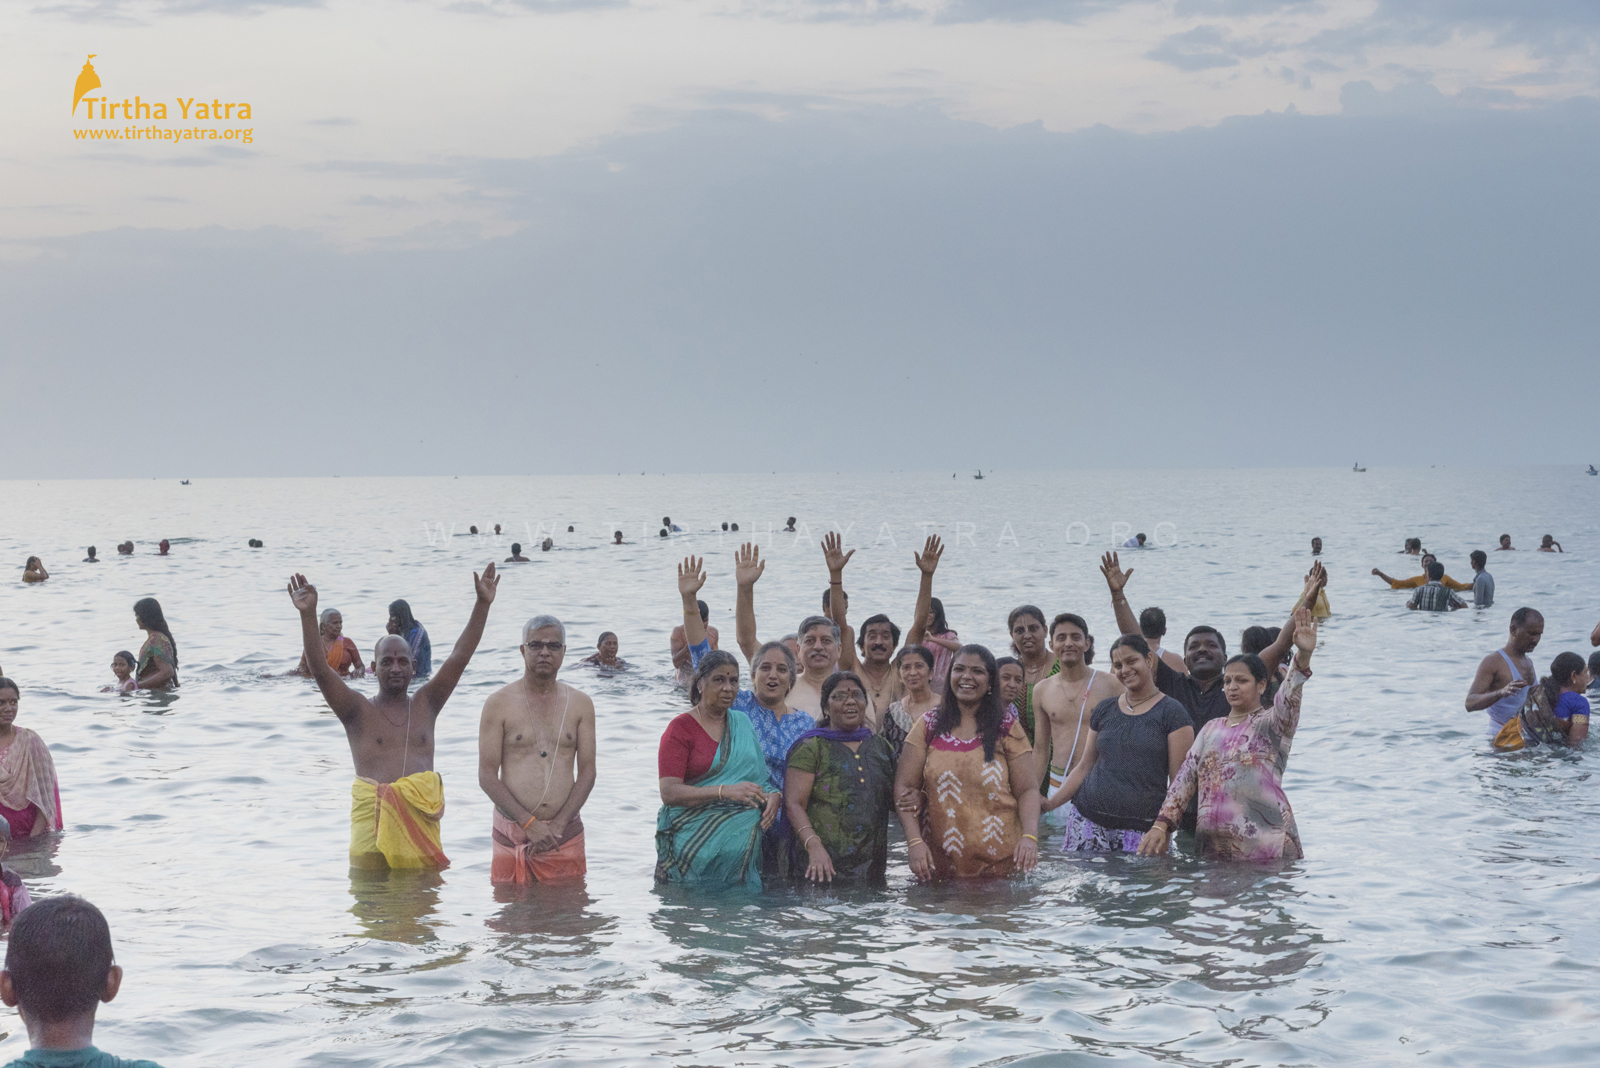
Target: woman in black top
{"x":1135,"y":746}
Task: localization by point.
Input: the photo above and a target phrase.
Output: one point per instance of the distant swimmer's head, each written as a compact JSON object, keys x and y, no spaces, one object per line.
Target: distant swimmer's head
{"x":33,"y":564}
{"x":546,"y":545}
{"x":724,"y":524}
{"x":1204,"y":650}
{"x":391,"y":659}
{"x":705,"y":611}
{"x":663,"y":532}
{"x":330,"y":623}
{"x":472,"y":530}
{"x":1413,"y":545}
{"x":1480,"y":559}
{"x":1547,"y":541}
{"x":607,"y":645}
{"x":122,"y":664}
{"x":1505,"y":541}
{"x":1316,"y":546}
{"x":497,"y":528}
{"x":791,"y":522}
{"x":516,"y":548}
{"x":666,"y":521}
{"x":569,"y":530}
{"x":1152,"y":624}
{"x":616,"y":537}
{"x":1435,"y":571}
{"x":401,"y":621}
{"x":1140,"y":538}
{"x":736,"y":526}
{"x":1527,"y":627}
{"x":544,"y":646}
{"x":92,"y":551}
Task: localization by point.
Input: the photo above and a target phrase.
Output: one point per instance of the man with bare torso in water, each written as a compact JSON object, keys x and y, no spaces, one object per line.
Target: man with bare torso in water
{"x":397,"y":799}
{"x":1062,"y":702}
{"x":536,"y":763}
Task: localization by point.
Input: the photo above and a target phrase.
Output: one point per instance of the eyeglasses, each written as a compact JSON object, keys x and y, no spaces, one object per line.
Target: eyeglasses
{"x":554,"y":647}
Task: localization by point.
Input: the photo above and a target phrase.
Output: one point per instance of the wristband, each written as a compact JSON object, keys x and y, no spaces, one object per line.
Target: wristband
{"x":1034,"y":837}
{"x":1164,"y":823}
{"x":915,"y":841}
{"x":531,"y":819}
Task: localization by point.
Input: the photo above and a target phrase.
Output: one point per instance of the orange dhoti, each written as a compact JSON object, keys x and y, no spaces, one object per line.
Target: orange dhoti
{"x":515,"y":864}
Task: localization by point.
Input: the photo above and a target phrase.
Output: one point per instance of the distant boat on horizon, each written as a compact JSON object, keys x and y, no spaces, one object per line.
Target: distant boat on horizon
{"x":978,"y":475}
{"x":1592,"y":471}
{"x":1357,"y":467}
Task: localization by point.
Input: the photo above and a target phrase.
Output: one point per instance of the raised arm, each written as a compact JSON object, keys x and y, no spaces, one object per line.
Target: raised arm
{"x":437,"y":690}
{"x":833,"y":552}
{"x":1116,"y":579}
{"x":691,"y":577}
{"x":1273,"y":655}
{"x":927,"y":562}
{"x":344,"y":701}
{"x":747,"y":568}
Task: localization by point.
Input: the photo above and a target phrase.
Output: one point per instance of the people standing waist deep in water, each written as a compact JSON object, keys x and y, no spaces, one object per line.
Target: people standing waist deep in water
{"x":343,"y":656}
{"x":405,"y":625}
{"x":1482,"y":581}
{"x":1427,"y":560}
{"x":1235,"y":766}
{"x":1432,"y":596}
{"x":33,"y":570}
{"x":1505,"y":674}
{"x":536,"y":762}
{"x":158,"y":656}
{"x":1564,"y":692}
{"x":397,"y":798}
{"x":30,"y":796}
{"x":965,"y":788}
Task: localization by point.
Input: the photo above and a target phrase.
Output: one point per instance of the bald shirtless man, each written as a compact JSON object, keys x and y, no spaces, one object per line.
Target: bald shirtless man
{"x":1063,"y":702}
{"x":536,"y":763}
{"x":397,"y":799}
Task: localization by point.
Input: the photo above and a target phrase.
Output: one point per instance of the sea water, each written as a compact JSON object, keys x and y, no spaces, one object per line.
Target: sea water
{"x":1443,"y":914}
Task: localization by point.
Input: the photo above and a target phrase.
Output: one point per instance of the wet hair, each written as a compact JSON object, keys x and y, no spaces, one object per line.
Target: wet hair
{"x":872,"y":621}
{"x":810,"y":623}
{"x":1152,"y":623}
{"x":149,"y":616}
{"x":92,"y":550}
{"x":604,"y":635}
{"x":402,"y":611}
{"x":616,"y":533}
{"x":791,"y":521}
{"x":663,"y":532}
{"x":59,"y":957}
{"x":516,"y":547}
{"x":705,"y":611}
{"x":1520,"y":617}
{"x":921,"y":651}
{"x":1563,"y":669}
{"x":1505,"y":537}
{"x":710,"y":662}
{"x":1140,"y":538}
{"x":736,"y":526}
{"x":1435,"y":571}
{"x":1255,"y":639}
{"x":539,"y":623}
{"x":938,"y":626}
{"x":666,"y":520}
{"x":1135,"y":642}
{"x":991,"y":713}
{"x":126,"y":657}
{"x":1479,"y":558}
{"x":832,"y":683}
{"x":1203,"y":629}
{"x":1073,"y":618}
{"x":724,"y":525}
{"x":1258,"y":670}
{"x":782,"y":648}
{"x":28,"y":566}
{"x":7,"y":684}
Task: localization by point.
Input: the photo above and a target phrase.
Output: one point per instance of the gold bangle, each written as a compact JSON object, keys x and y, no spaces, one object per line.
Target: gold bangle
{"x":719,"y":793}
{"x":1034,"y":837}
{"x":915,"y":841}
{"x":811,"y":838}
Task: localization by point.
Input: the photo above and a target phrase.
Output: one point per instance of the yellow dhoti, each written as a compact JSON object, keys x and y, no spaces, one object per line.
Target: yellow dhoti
{"x":396,"y":824}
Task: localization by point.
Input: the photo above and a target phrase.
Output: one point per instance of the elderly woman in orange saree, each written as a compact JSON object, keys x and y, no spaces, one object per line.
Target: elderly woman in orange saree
{"x":343,"y":656}
{"x":30,"y":799}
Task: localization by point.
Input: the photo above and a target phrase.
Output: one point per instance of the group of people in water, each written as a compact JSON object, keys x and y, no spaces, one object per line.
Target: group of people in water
{"x":1435,"y":591}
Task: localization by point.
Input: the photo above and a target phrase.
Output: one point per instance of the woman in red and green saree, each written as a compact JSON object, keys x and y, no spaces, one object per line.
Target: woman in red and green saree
{"x":839,"y":789}
{"x":713,"y":804}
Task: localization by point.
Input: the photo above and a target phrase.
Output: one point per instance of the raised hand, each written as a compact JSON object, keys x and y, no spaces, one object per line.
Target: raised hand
{"x":303,"y":594}
{"x":691,"y":576}
{"x":1111,"y":568}
{"x":833,"y":552}
{"x":1305,"y":633}
{"x":748,"y":565}
{"x":928,"y":559}
{"x":486,"y":585}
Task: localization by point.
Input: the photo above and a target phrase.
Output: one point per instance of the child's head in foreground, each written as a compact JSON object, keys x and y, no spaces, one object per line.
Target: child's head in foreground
{"x":59,"y":965}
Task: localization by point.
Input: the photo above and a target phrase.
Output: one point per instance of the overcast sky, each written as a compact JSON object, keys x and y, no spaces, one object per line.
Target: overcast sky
{"x":803,"y":235}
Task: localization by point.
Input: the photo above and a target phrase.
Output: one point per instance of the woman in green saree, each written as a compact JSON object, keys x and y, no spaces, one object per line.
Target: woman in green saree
{"x":713,"y":806}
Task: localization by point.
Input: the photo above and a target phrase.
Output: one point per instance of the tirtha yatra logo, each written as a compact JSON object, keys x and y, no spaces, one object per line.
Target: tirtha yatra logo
{"x":129,"y":112}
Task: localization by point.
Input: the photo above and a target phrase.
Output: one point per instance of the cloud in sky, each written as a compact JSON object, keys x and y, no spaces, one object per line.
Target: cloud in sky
{"x":863,"y":289}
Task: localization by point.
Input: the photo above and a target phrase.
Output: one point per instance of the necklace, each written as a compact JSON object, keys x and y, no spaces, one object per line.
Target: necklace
{"x":1152,"y":699}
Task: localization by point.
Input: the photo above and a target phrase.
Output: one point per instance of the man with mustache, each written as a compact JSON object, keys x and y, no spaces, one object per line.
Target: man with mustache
{"x":879,"y":636}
